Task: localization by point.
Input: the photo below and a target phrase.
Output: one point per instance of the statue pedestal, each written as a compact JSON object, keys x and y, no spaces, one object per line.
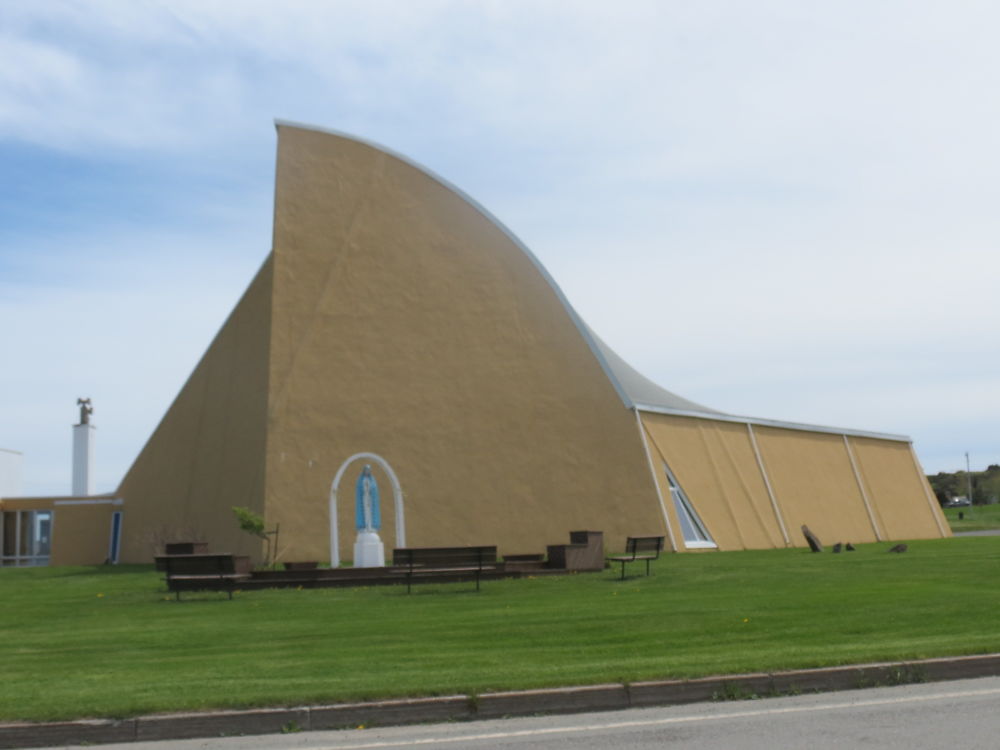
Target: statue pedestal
{"x":368,"y":551}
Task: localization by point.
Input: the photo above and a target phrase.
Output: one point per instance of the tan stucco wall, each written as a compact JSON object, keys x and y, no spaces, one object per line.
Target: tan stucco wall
{"x":81,"y":534}
{"x":408,"y":324}
{"x":894,"y":480}
{"x":814,"y":484}
{"x":811,"y":477}
{"x":715,"y":465}
{"x":207,"y":454}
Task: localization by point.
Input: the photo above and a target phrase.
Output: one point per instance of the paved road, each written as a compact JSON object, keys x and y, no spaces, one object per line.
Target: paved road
{"x":964,"y":715}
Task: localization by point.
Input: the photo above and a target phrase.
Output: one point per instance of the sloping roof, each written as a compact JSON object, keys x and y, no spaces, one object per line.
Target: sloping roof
{"x":640,"y":389}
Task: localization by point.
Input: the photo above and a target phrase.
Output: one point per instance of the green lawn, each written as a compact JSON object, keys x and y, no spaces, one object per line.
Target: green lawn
{"x":976,"y":517}
{"x":110,"y":641}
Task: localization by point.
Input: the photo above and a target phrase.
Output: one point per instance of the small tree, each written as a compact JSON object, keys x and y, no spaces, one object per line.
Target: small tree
{"x":253,"y":524}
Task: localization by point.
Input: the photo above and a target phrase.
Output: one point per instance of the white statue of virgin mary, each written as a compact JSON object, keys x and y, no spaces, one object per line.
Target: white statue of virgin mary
{"x":368,"y":549}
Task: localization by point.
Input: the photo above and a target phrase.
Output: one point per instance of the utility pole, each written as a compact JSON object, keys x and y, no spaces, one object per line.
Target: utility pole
{"x":968,"y":476}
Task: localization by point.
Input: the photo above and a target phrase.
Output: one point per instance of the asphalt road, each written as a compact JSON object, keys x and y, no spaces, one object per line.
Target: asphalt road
{"x":963,"y":715}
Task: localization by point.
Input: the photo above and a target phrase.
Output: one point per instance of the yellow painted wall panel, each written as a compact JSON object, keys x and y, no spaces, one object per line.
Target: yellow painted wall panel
{"x":744,"y":483}
{"x":715,"y":465}
{"x":814,"y":484}
{"x":897,"y":488}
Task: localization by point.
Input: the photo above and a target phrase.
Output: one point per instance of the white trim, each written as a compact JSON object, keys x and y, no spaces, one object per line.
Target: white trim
{"x":397,"y":492}
{"x":106,"y":501}
{"x":701,"y":545}
{"x":767,"y":484}
{"x":864,"y":491}
{"x":931,"y":500}
{"x":772,"y":423}
{"x":656,"y":483}
{"x":573,"y":315}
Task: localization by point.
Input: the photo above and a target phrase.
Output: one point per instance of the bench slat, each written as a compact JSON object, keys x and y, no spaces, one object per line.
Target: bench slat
{"x":200,"y":572}
{"x":429,"y":561}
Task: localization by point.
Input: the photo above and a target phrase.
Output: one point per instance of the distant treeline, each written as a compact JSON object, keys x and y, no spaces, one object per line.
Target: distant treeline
{"x":985,"y":485}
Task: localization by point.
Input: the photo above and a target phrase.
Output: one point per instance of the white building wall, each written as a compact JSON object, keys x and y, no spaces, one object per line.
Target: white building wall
{"x":10,"y":473}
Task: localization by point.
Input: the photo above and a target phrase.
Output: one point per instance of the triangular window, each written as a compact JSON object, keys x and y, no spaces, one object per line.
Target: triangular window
{"x":694,"y":531}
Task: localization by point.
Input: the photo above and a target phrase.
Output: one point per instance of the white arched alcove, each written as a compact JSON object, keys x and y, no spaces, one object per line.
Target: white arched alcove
{"x":397,"y":493}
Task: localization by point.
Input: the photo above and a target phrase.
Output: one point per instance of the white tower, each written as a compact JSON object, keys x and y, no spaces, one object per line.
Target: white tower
{"x":83,"y":451}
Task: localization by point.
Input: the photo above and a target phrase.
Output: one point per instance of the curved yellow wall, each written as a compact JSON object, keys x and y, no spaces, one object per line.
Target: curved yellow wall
{"x":407,"y":323}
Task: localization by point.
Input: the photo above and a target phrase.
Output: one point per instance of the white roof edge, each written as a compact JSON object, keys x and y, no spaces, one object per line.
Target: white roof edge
{"x":581,"y":327}
{"x":9,"y":450}
{"x":774,"y":423}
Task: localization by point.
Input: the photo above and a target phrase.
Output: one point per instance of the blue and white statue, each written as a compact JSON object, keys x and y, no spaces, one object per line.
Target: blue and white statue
{"x":366,"y":510}
{"x":368,"y":549}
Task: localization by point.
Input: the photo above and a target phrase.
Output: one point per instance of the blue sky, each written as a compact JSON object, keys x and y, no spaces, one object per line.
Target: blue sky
{"x":777,"y":209}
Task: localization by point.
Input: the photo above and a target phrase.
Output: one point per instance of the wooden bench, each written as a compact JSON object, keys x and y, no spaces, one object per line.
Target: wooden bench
{"x":441,"y":562}
{"x":203,"y":572}
{"x":646,"y":548}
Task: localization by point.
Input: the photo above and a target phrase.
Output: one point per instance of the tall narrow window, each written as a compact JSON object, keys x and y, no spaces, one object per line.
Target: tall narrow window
{"x":116,"y":536}
{"x":695,"y":534}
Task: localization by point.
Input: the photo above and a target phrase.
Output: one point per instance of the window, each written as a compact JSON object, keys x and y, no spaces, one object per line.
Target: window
{"x":695,"y":534}
{"x":25,"y":537}
{"x":116,"y":536}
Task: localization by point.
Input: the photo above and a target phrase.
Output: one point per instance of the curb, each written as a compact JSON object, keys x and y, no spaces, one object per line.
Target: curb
{"x":607,"y":697}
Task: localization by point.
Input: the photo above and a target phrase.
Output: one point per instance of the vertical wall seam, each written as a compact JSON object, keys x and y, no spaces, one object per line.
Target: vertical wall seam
{"x":656,"y":484}
{"x":767,"y":484}
{"x":748,"y":493}
{"x":718,"y":484}
{"x":864,"y":492}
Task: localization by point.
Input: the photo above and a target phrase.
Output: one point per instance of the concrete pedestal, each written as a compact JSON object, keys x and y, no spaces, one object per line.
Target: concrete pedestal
{"x":369,"y":551}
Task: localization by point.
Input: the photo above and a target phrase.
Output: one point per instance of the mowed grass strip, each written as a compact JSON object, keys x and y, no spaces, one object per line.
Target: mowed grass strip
{"x":110,"y":642}
{"x":974,"y":517}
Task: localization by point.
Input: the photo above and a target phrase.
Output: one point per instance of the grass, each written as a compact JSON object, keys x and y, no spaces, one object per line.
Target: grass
{"x":110,"y":642}
{"x":975,"y":517}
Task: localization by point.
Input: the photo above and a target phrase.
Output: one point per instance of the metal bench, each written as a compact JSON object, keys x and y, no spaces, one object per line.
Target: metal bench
{"x":203,"y":572}
{"x":646,"y":548}
{"x":444,"y":562}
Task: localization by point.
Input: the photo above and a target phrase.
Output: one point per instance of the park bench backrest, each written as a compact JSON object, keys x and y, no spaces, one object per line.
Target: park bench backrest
{"x":198,"y":565}
{"x":445,"y":557}
{"x":644,"y":545}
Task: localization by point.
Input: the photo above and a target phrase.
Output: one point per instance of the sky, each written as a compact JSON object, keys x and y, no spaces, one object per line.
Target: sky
{"x":777,"y":209}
